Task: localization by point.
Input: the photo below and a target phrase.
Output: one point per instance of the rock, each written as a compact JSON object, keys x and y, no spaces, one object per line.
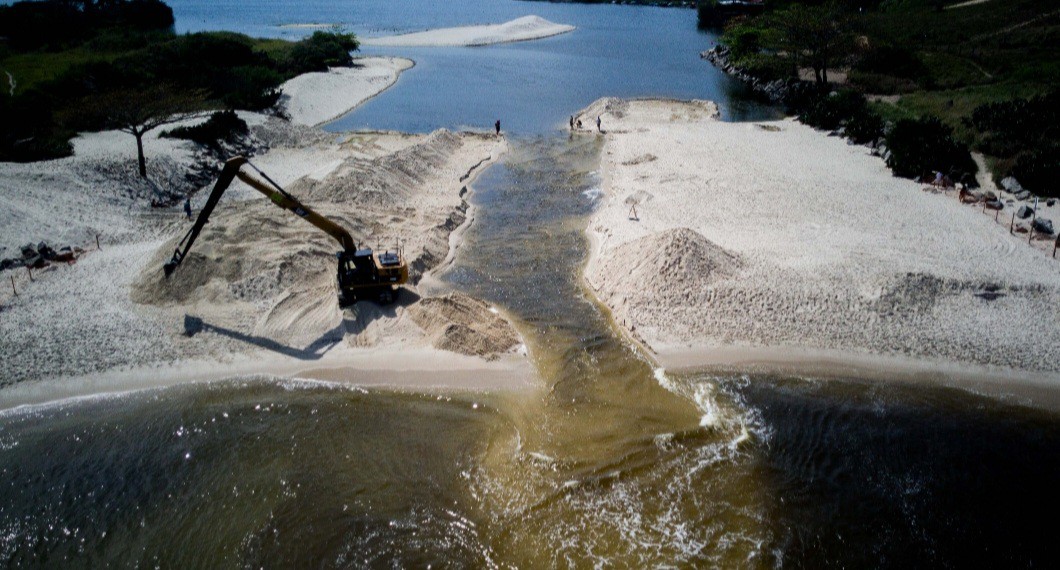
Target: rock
{"x":1043,"y":225}
{"x":990,"y":195}
{"x":1024,"y":212}
{"x":45,"y":251}
{"x":1011,"y":184}
{"x":28,"y":251}
{"x":1050,"y":202}
{"x":1023,"y":194}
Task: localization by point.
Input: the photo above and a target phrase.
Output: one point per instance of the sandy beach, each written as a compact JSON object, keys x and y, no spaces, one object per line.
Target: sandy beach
{"x":517,"y":30}
{"x":770,"y":243}
{"x":316,"y":98}
{"x":257,"y":295}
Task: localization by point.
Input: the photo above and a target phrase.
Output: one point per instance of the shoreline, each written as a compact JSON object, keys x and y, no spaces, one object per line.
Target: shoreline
{"x":326,"y":96}
{"x":373,"y":369}
{"x":526,"y":28}
{"x":420,"y":180}
{"x":772,"y":272}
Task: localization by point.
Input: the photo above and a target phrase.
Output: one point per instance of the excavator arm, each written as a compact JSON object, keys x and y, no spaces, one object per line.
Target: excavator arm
{"x":233,"y":169}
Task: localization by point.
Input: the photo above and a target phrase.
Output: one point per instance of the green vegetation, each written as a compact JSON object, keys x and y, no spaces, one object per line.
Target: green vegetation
{"x":221,"y":127}
{"x":919,"y":61}
{"x":110,"y":52}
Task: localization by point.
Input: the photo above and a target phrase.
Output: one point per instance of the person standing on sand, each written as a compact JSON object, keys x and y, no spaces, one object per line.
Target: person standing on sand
{"x":187,"y":206}
{"x":497,"y":126}
{"x":572,"y":122}
{"x":598,"y":129}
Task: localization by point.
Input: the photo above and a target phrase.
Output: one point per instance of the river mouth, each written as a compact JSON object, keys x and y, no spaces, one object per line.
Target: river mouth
{"x":610,"y":462}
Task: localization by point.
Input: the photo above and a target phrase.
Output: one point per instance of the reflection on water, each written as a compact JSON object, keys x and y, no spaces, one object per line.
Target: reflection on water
{"x":610,"y":463}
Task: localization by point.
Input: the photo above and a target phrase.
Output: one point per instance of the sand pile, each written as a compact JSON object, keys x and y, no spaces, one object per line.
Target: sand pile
{"x":463,"y":324}
{"x":259,"y":269}
{"x":517,"y":30}
{"x":828,"y":250}
{"x":654,"y":274}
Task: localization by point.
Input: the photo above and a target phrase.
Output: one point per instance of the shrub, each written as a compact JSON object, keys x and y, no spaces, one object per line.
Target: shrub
{"x":865,"y":126}
{"x":921,"y":146}
{"x":320,"y":51}
{"x":221,"y":127}
{"x":1039,"y":170}
{"x":832,"y":111}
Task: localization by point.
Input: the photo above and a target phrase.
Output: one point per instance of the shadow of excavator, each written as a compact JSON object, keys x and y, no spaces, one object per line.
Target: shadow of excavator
{"x":355,"y":320}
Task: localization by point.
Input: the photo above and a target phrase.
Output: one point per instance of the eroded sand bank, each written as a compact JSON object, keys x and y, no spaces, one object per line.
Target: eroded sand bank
{"x":774,"y":236}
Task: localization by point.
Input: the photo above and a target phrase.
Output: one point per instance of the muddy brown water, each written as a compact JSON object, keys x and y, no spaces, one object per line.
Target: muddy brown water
{"x":609,"y":464}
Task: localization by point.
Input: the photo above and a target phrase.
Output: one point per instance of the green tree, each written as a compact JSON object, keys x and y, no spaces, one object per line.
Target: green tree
{"x":817,"y":37}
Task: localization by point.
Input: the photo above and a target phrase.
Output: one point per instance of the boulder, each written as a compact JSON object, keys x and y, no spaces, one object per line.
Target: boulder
{"x":28,"y":251}
{"x":1050,"y":202}
{"x":1043,"y":225}
{"x":1022,"y":194}
{"x":1024,"y":212}
{"x":1011,"y":184}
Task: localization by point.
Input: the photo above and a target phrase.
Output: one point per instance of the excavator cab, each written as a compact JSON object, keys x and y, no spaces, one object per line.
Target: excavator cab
{"x":362,"y":274}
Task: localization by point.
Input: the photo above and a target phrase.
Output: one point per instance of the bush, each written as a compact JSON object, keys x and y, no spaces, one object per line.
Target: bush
{"x":1039,"y":171}
{"x":1020,"y":125}
{"x":865,"y":126}
{"x":251,"y":87}
{"x":832,"y":111}
{"x":921,"y":146}
{"x":320,"y":51}
{"x":221,"y":127}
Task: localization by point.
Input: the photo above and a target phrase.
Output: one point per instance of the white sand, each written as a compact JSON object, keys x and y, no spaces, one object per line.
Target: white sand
{"x":316,"y":98}
{"x":778,"y":236}
{"x":517,"y":30}
{"x":260,"y":279}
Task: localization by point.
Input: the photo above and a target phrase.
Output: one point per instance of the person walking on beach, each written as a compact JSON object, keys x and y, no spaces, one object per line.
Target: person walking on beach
{"x":497,"y":126}
{"x":598,"y":129}
{"x":187,"y":206}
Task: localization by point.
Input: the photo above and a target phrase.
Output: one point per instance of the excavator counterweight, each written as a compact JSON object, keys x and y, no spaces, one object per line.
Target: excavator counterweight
{"x":362,"y":273}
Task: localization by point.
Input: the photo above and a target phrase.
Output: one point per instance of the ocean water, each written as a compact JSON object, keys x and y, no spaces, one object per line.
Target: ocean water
{"x":611,"y":463}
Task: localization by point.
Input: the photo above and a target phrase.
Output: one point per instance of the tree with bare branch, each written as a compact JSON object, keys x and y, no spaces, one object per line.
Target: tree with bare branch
{"x":140,"y":111}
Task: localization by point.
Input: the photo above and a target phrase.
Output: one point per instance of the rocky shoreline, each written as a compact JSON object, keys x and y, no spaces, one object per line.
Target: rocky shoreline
{"x":777,"y":91}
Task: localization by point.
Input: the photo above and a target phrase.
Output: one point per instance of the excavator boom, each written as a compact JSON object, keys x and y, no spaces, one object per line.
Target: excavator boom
{"x":362,"y":273}
{"x":233,"y":169}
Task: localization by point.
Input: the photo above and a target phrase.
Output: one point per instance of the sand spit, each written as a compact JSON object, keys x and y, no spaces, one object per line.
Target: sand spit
{"x":784,"y":238}
{"x":316,"y":98}
{"x":257,"y":294}
{"x":517,"y":30}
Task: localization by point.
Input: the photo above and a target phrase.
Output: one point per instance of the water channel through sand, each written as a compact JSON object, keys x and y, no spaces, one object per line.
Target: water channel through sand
{"x":610,"y":463}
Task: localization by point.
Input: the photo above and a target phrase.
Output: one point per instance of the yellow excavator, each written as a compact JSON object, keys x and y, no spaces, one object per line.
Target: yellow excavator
{"x":363,"y":274}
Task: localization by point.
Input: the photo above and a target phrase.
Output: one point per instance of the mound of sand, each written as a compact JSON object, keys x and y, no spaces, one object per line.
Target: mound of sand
{"x":807,"y":243}
{"x":655,"y":273}
{"x":517,"y":30}
{"x":463,"y":324}
{"x":260,"y":269}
